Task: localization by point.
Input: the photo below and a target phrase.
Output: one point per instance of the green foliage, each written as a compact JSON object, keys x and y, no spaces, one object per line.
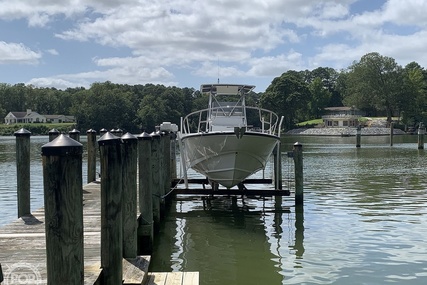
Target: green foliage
{"x":35,"y":129}
{"x":374,"y":84}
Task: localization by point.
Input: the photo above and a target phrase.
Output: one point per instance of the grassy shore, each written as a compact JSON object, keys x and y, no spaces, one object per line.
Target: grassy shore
{"x":36,"y":128}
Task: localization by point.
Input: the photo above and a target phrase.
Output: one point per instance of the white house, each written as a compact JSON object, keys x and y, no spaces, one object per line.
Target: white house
{"x":341,"y":117}
{"x":34,"y":117}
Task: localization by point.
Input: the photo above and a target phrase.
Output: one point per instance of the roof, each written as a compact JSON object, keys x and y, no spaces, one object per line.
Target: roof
{"x":226,"y":89}
{"x":340,"y":108}
{"x":19,"y":114}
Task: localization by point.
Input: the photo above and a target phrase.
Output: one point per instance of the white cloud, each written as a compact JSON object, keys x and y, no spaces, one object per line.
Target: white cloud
{"x":17,"y":53}
{"x":249,"y":38}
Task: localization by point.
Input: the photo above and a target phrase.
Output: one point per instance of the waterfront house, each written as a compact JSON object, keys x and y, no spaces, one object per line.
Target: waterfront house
{"x":33,"y":117}
{"x":341,"y":117}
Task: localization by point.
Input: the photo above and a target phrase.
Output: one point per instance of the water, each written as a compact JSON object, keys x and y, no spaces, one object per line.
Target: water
{"x":8,"y":176}
{"x":363,"y":222}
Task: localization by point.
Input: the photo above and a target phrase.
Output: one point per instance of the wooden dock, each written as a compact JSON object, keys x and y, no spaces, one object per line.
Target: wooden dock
{"x":23,"y":251}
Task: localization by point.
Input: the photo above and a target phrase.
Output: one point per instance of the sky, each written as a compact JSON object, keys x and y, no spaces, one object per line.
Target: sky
{"x":186,"y":43}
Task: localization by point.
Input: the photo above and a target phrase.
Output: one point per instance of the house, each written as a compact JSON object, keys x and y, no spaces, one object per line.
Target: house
{"x":33,"y":117}
{"x":24,"y":117}
{"x":341,"y":117}
{"x":59,"y":119}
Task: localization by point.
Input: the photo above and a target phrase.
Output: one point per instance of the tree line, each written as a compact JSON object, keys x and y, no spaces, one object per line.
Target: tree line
{"x":375,"y":84}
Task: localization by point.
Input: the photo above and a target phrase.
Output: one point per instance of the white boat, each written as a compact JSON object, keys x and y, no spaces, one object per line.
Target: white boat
{"x":228,"y":141}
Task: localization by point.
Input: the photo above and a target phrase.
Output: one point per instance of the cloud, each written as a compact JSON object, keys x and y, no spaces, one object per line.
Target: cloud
{"x":11,"y":53}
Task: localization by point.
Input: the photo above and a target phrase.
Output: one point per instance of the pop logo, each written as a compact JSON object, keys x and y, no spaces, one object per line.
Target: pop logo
{"x":22,"y":273}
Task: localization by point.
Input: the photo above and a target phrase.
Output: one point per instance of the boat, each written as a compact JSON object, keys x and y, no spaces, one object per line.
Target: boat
{"x":228,"y":141}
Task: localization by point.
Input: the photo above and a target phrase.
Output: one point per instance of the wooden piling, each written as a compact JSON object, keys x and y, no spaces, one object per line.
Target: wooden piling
{"x":23,"y":171}
{"x":167,"y":164}
{"x":63,"y":200}
{"x":391,"y":133}
{"x":53,"y":134}
{"x":129,"y":203}
{"x":421,"y":133}
{"x":173,"y":156}
{"x":74,"y":134}
{"x":91,"y":155}
{"x":155,"y":163}
{"x":277,"y":167}
{"x":145,"y":220}
{"x":298,"y":160}
{"x":358,"y":135}
{"x":111,"y":209}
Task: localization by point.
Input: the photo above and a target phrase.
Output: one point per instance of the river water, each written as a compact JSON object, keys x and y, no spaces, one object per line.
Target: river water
{"x":364,"y":219}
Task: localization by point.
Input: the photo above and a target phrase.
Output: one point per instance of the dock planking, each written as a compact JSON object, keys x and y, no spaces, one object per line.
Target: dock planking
{"x":23,"y":245}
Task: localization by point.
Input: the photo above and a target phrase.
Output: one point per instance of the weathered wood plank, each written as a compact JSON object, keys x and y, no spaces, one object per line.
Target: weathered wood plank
{"x":174,"y":278}
{"x":190,"y":278}
{"x":157,"y":278}
{"x":135,"y":270}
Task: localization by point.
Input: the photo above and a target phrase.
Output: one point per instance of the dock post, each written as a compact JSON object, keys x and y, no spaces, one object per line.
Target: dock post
{"x":91,"y":155}
{"x":358,"y":135}
{"x":63,"y":202}
{"x":162,"y":177}
{"x":74,"y":134}
{"x":129,"y":209}
{"x":155,"y":172}
{"x":145,"y":220}
{"x":53,"y":134}
{"x":278,"y":167}
{"x":391,"y":133}
{"x":298,"y":160}
{"x":167,"y":165}
{"x":421,"y":133}
{"x":111,"y":209}
{"x":23,"y":171}
{"x":173,"y":155}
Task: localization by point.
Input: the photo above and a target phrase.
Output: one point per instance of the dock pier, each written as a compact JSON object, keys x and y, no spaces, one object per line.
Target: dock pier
{"x":83,"y":234}
{"x":91,"y":234}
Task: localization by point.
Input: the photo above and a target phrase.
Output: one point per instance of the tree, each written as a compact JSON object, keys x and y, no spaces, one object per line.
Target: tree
{"x":414,"y":104}
{"x":320,"y":97}
{"x":288,"y":96}
{"x":374,"y":82}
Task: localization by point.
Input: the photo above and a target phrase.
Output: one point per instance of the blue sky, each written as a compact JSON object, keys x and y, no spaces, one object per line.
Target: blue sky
{"x":186,"y":43}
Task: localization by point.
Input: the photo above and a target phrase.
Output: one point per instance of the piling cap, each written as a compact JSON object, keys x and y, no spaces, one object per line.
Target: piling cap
{"x":103,"y":130}
{"x":155,"y":135}
{"x":90,"y":131}
{"x":144,"y":136}
{"x":108,"y":138}
{"x":22,"y":132}
{"x":53,"y":131}
{"x":297,"y":144}
{"x":74,"y":131}
{"x":128,"y":137}
{"x":62,"y":146}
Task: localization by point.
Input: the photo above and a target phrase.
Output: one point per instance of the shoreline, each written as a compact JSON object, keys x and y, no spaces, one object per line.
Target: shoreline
{"x":344,"y":132}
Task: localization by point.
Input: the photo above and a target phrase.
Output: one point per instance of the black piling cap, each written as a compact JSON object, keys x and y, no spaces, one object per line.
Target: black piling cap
{"x":53,"y":131}
{"x":62,"y":146}
{"x":22,"y":132}
{"x":297,"y":145}
{"x":144,"y":136}
{"x":155,"y":135}
{"x":108,"y":139}
{"x":91,"y":131}
{"x":129,"y":138}
{"x":74,"y":131}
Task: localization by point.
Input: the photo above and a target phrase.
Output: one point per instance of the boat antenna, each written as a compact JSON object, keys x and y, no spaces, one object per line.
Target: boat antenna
{"x":218,"y":68}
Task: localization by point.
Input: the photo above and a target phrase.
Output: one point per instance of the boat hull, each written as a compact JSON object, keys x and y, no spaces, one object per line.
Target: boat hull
{"x":226,"y":158}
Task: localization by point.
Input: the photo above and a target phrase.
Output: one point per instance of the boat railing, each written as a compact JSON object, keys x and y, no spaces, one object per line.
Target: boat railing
{"x":256,"y":120}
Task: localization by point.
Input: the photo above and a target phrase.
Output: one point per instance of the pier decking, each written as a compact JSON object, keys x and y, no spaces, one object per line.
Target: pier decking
{"x":23,"y":250}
